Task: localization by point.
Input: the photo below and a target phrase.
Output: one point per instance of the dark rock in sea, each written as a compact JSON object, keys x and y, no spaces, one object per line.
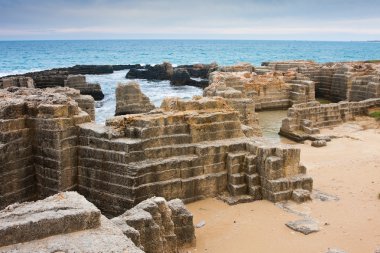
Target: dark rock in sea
{"x":162,"y":71}
{"x":180,"y":77}
{"x":89,"y":69}
{"x":127,"y":66}
{"x":199,"y":70}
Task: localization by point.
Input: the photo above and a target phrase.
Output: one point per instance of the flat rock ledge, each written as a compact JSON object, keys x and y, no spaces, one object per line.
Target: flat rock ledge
{"x":58,"y":214}
{"x":304,"y":226}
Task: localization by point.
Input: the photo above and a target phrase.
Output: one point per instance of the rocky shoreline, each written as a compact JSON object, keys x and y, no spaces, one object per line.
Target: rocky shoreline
{"x":185,"y":150}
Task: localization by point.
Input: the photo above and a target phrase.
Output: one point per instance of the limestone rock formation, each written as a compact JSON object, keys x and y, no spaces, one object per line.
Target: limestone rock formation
{"x":158,"y":226}
{"x":65,"y":222}
{"x":85,"y":102}
{"x":16,"y":82}
{"x":191,"y":149}
{"x":131,"y":100}
{"x":79,"y":82}
{"x":38,"y":143}
{"x":304,"y":120}
{"x":187,"y":149}
{"x":240,"y":67}
{"x":351,"y":81}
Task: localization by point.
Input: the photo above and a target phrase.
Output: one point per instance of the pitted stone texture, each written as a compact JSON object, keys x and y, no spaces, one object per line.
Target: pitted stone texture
{"x":130,"y":99}
{"x":38,"y":143}
{"x":304,"y":120}
{"x":79,"y":82}
{"x":62,"y":213}
{"x":305,"y":226}
{"x":65,"y":222}
{"x":159,"y":230}
{"x":240,"y":67}
{"x":26,"y":82}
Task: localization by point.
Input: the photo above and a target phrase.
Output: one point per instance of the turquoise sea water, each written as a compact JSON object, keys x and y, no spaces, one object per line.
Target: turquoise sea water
{"x":23,"y":56}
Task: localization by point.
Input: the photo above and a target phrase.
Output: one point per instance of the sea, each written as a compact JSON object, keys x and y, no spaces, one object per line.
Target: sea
{"x":17,"y":57}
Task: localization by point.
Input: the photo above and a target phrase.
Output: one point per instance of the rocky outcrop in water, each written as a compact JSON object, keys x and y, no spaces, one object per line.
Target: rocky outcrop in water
{"x":162,"y":71}
{"x":193,"y":75}
{"x":69,"y":77}
{"x":130,"y":99}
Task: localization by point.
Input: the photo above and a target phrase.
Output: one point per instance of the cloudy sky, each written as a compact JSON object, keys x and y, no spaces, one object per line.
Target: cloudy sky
{"x":190,"y":19}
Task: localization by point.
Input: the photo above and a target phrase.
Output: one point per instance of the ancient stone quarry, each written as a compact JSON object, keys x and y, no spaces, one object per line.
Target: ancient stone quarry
{"x":142,"y":165}
{"x":130,"y":99}
{"x":304,"y":120}
{"x":351,"y":81}
{"x":67,"y":222}
{"x":248,"y":92}
{"x":188,"y":149}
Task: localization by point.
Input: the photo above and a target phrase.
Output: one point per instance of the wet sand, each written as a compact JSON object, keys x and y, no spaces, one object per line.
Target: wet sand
{"x":349,"y":168}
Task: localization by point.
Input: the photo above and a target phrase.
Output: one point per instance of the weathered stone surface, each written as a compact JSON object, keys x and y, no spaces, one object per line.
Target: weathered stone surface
{"x":16,"y":82}
{"x":240,"y":67}
{"x":79,"y":82}
{"x":352,"y":81}
{"x":318,"y":143}
{"x":62,"y":213}
{"x":304,"y":120}
{"x":65,"y":222}
{"x":162,"y":227}
{"x":62,"y":77}
{"x":301,"y":195}
{"x":304,"y":226}
{"x":130,"y":99}
{"x":38,"y":143}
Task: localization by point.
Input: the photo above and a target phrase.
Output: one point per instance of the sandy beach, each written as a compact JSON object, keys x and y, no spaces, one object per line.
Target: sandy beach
{"x":347,"y":169}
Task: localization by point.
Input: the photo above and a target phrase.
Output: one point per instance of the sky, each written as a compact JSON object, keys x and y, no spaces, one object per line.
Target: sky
{"x":327,"y":20}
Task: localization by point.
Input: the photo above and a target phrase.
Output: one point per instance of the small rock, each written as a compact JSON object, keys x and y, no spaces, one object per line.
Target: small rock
{"x":304,"y":226}
{"x":202,"y":223}
{"x":318,"y":143}
{"x":322,"y":196}
{"x":335,"y":250}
